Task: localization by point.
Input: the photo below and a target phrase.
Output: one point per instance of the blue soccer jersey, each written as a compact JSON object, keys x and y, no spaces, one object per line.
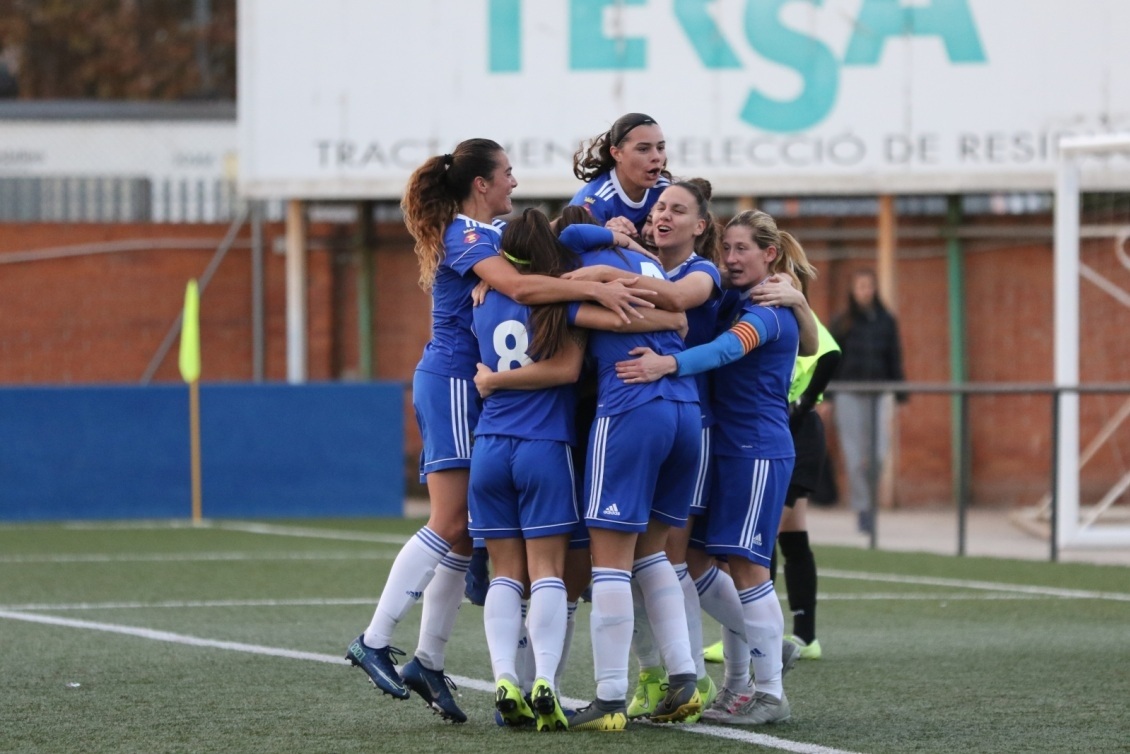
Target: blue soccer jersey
{"x":751,"y":394}
{"x":452,"y":350}
{"x":614,"y":396}
{"x":504,"y":337}
{"x":605,"y":199}
{"x":702,"y":322}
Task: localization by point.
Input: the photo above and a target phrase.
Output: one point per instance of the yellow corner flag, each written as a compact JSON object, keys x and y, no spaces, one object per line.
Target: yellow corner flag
{"x":190,"y":334}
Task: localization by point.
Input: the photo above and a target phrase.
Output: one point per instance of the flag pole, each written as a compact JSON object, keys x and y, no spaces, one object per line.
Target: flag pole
{"x":194,"y":438}
{"x":190,"y":371}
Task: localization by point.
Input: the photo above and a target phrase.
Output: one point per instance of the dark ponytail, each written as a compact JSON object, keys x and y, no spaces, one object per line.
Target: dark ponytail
{"x":531,"y":244}
{"x":434,"y":193}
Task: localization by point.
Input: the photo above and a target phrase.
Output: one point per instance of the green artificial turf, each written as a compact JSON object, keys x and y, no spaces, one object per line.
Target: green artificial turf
{"x":922,"y":653}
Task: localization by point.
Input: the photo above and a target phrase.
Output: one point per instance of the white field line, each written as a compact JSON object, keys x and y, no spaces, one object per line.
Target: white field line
{"x":251,"y":527}
{"x":338,"y":602}
{"x":993,"y":586}
{"x":190,"y":557}
{"x":248,"y":527}
{"x":191,"y":604}
{"x":759,"y":739}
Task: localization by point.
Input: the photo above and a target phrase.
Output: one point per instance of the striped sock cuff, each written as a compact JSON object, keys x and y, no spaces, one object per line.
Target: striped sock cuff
{"x":456,"y":562}
{"x":547,"y":583}
{"x":609,"y":575}
{"x":504,"y":583}
{"x":706,"y":580}
{"x":756,"y":592}
{"x":647,"y":562}
{"x":432,"y":541}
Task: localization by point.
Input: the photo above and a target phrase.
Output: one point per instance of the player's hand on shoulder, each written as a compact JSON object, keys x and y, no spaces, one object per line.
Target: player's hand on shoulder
{"x":622,"y":225}
{"x":479,"y":294}
{"x":622,"y":297}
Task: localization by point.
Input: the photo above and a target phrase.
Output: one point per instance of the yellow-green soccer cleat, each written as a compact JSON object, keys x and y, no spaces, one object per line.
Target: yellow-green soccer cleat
{"x":606,"y":717}
{"x":648,"y":693}
{"x":708,"y":692}
{"x":809,"y":651}
{"x":511,"y":705}
{"x":714,"y":653}
{"x":549,"y":713}
{"x":680,"y":700}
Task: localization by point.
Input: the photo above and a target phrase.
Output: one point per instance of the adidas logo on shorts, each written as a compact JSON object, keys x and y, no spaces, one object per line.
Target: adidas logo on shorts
{"x":757,"y":541}
{"x":611,"y":510}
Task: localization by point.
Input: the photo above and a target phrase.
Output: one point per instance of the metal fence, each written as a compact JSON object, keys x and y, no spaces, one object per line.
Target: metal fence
{"x":963,"y":468}
{"x":117,"y":199}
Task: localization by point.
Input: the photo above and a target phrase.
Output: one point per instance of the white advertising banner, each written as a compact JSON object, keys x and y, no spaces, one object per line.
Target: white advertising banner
{"x":154,"y":149}
{"x":344,"y":99}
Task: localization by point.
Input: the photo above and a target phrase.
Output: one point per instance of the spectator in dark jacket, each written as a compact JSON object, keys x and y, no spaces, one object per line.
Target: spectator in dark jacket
{"x":869,"y":337}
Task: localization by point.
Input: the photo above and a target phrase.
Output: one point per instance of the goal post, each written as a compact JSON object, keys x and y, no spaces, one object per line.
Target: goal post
{"x":1070,"y":530}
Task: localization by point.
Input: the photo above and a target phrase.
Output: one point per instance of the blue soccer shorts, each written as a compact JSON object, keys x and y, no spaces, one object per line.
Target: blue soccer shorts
{"x":521,"y":488}
{"x":447,"y":410}
{"x":745,"y":507}
{"x":642,"y":464}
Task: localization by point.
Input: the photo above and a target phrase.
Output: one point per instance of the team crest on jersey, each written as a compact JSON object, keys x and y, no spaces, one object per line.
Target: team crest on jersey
{"x":470,"y":236}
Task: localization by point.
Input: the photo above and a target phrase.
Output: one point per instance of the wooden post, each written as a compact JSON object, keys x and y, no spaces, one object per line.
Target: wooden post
{"x":295,"y":291}
{"x":885,"y":264}
{"x":887,"y":274}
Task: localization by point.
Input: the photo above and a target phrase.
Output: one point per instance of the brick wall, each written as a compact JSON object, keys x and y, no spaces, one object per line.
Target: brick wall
{"x":100,"y":317}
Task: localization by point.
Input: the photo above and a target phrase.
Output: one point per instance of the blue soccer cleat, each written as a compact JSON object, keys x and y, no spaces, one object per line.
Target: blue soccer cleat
{"x":379,"y":664}
{"x":435,"y":689}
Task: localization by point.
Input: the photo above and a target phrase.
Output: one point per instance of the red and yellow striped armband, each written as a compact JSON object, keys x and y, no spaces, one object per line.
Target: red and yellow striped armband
{"x":747,"y":335}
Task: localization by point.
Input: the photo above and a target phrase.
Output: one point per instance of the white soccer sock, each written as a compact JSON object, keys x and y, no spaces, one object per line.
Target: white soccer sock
{"x":719,"y":598}
{"x":643,"y":640}
{"x":525,"y":653}
{"x":442,"y":600}
{"x":735,"y":649}
{"x":411,"y":572}
{"x":663,"y":598}
{"x":764,"y":630}
{"x":502,"y":624}
{"x":570,"y":628}
{"x":611,"y":631}
{"x":694,"y":617}
{"x":546,"y":625}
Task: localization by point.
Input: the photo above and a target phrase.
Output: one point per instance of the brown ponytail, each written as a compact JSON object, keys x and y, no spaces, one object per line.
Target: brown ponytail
{"x":434,"y":194}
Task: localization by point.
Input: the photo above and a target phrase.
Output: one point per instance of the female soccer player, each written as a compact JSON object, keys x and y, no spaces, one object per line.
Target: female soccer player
{"x":449,"y":206}
{"x":522,"y":494}
{"x":624,"y":170}
{"x":522,"y":484}
{"x":685,"y":236}
{"x":643,"y":455}
{"x":753,"y":363}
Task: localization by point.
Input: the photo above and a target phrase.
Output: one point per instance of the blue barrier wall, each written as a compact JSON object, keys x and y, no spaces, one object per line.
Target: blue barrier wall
{"x":71,"y":453}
